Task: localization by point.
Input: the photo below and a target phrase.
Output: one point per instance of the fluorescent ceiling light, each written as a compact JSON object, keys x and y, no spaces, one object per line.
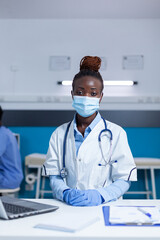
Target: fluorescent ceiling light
{"x":65,"y":83}
{"x":119,"y":83}
{"x":106,"y":83}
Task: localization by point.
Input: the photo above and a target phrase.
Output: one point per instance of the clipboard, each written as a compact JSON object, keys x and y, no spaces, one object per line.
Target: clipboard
{"x":106,"y":212}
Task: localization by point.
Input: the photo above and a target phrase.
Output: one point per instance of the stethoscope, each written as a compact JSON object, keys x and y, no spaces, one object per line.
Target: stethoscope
{"x":105,"y":162}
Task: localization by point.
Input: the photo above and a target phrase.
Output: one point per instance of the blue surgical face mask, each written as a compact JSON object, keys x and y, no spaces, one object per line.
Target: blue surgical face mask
{"x":85,"y":106}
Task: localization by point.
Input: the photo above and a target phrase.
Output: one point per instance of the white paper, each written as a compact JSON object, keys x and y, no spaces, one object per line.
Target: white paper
{"x":67,"y":227}
{"x":70,"y":221}
{"x":132,"y":214}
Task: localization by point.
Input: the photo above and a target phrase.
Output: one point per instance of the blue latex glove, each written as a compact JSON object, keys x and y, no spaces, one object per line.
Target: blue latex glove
{"x":89,"y":197}
{"x":72,"y":195}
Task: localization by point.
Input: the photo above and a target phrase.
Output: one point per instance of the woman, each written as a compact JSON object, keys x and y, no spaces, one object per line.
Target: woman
{"x":89,"y":161}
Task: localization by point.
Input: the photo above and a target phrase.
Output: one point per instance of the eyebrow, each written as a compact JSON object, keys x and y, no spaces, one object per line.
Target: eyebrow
{"x":91,"y":87}
{"x":81,"y":87}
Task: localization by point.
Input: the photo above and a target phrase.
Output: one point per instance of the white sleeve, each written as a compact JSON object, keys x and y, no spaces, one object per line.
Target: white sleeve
{"x":115,"y":190}
{"x":51,"y":165}
{"x":58,"y":186}
{"x":124,"y":166}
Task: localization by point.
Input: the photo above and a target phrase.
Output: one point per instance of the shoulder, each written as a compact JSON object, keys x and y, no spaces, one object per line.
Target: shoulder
{"x":3,"y":135}
{"x":60,"y":131}
{"x":5,"y":131}
{"x":118,"y":133}
{"x":61,"y":128}
{"x":6,"y":134}
{"x":115,"y":128}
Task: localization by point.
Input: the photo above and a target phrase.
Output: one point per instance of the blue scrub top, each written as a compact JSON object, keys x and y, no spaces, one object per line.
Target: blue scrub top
{"x":11,"y":173}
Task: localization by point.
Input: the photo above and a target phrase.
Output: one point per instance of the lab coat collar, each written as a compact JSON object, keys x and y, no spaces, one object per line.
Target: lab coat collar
{"x":91,"y":126}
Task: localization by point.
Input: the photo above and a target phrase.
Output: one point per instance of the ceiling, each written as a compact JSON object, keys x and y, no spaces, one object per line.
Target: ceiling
{"x":81,"y":9}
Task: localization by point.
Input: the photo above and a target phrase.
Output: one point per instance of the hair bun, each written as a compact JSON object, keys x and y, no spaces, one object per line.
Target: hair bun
{"x":90,"y":63}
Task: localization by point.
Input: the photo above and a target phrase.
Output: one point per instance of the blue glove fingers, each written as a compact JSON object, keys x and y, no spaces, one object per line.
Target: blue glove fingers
{"x":68,"y":194}
{"x":81,"y":203}
{"x":77,"y":197}
{"x":82,"y":200}
{"x":76,"y":193}
{"x":86,"y":201}
{"x":71,"y":195}
{"x":79,"y":200}
{"x":92,"y":198}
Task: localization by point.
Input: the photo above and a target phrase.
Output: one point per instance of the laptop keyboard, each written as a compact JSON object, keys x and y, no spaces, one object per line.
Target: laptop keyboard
{"x":16,"y":209}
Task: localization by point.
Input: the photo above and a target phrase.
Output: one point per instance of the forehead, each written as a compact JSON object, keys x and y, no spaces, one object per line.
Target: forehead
{"x":88,"y":82}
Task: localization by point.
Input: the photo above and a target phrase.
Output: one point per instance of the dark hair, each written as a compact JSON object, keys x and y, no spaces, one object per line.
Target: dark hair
{"x":89,"y":66}
{"x":1,"y":113}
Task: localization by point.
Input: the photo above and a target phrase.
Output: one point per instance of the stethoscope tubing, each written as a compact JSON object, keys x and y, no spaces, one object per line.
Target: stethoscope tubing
{"x":100,"y":145}
{"x":63,"y":170}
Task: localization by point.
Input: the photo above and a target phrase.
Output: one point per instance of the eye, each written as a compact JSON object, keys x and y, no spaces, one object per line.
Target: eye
{"x":79,"y":93}
{"x":93,"y":94}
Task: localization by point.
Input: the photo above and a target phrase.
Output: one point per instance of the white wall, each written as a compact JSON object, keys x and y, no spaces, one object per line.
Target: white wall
{"x":27,"y":45}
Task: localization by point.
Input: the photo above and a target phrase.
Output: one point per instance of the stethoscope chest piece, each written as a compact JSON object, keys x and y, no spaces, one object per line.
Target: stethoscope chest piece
{"x":63,"y":172}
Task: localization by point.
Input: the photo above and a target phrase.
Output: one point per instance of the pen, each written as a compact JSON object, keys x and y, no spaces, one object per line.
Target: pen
{"x":144,"y":212}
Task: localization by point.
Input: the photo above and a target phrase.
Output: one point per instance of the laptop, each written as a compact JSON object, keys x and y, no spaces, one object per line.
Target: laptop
{"x":12,"y":208}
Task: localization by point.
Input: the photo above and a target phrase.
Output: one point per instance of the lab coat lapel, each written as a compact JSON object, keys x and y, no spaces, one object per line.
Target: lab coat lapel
{"x":71,"y":140}
{"x":70,"y":159}
{"x":92,"y":135}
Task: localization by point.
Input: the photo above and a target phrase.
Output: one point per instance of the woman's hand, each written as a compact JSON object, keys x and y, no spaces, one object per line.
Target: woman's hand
{"x":77,"y":197}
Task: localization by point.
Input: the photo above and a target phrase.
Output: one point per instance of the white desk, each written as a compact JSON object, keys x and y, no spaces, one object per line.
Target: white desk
{"x":23,"y":228}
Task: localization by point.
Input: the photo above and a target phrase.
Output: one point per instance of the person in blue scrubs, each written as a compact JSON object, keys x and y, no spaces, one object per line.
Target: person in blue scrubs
{"x":11,"y":173}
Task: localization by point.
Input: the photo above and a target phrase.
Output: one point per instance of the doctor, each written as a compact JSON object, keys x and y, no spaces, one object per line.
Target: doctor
{"x":89,"y":160}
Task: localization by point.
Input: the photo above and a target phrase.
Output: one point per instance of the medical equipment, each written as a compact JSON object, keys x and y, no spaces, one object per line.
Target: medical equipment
{"x":107,"y":161}
{"x":85,"y":106}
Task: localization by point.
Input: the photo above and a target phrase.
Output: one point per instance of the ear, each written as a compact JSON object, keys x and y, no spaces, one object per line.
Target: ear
{"x":101,"y":97}
{"x":72,"y":93}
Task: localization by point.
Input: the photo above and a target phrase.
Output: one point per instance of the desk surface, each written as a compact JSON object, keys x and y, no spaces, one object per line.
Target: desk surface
{"x":23,"y":228}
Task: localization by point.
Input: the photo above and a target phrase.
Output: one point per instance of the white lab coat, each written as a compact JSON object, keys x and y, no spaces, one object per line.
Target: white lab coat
{"x":83,"y":171}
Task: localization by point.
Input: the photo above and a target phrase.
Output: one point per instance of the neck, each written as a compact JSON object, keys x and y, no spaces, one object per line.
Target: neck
{"x":84,"y":121}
